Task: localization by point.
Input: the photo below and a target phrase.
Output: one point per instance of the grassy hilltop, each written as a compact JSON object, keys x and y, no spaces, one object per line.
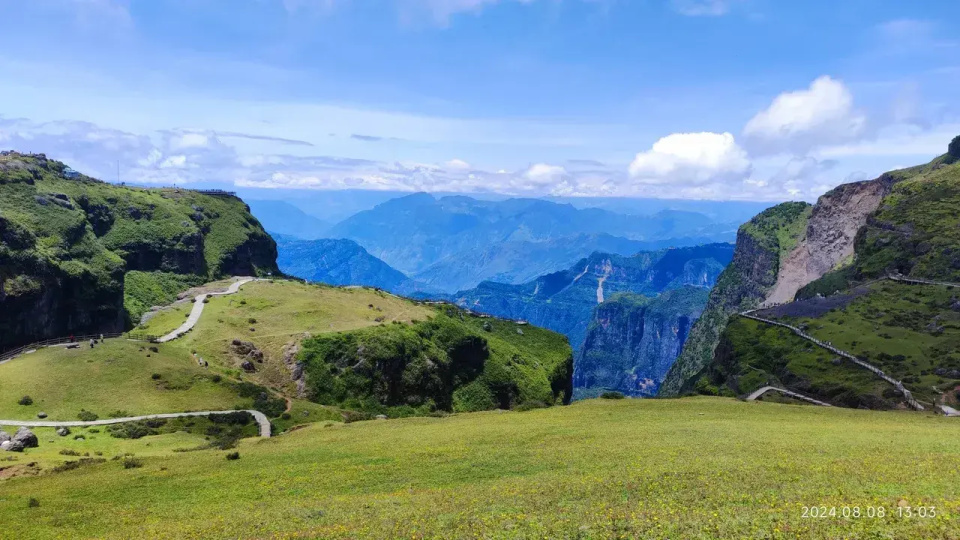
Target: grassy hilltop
{"x":78,"y":255}
{"x":692,"y":468}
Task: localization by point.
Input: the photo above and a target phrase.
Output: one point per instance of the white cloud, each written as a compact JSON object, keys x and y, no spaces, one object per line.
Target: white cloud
{"x":701,"y":8}
{"x":174,"y":162}
{"x":691,"y":159}
{"x":457,"y":164}
{"x":190,"y":140}
{"x":801,"y":120}
{"x":542,"y":173}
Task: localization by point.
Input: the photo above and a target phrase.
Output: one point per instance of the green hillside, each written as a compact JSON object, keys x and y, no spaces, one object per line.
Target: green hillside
{"x":692,"y":468}
{"x":67,"y":243}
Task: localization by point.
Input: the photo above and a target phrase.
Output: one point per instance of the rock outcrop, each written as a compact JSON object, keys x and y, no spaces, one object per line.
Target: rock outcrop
{"x":829,"y":237}
{"x":744,"y":284}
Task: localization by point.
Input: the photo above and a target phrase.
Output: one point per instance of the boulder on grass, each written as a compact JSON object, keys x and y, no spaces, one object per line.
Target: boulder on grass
{"x":63,"y":431}
{"x":25,"y":437}
{"x":41,"y":414}
{"x":248,"y":366}
{"x":4,"y":437}
{"x":11,"y":446}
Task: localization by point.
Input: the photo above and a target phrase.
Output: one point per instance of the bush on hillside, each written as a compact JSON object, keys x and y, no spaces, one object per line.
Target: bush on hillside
{"x":611,"y":395}
{"x":87,"y":416}
{"x":26,"y":400}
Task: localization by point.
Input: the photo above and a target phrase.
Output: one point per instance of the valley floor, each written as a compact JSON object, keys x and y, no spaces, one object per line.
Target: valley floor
{"x":684,"y":468}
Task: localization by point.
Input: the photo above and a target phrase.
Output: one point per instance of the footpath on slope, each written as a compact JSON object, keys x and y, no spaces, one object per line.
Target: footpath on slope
{"x":908,"y":397}
{"x":197,"y":310}
{"x":262,"y":420}
{"x":784,"y":391}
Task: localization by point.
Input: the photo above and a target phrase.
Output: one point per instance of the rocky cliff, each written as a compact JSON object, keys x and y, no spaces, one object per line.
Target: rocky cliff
{"x":564,"y":301}
{"x":67,"y":242}
{"x":633,"y":341}
{"x":828,"y":239}
{"x":744,"y":284}
{"x":905,"y":221}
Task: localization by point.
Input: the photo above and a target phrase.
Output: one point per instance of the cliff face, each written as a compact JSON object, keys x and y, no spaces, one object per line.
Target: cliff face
{"x":67,"y":241}
{"x":633,"y":341}
{"x":744,"y":284}
{"x":829,"y":236}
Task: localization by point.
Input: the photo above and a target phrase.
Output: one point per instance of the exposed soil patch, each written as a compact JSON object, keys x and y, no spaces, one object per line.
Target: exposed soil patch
{"x":813,"y":307}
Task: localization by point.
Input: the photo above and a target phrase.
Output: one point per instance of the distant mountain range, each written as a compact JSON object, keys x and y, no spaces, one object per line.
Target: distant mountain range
{"x":284,"y":218}
{"x":339,"y":262}
{"x":456,"y":242}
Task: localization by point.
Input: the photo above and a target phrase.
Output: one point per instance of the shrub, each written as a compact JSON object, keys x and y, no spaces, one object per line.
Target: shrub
{"x":26,"y":400}
{"x":155,"y":376}
{"x":233,"y":456}
{"x":87,"y":416}
{"x":68,"y":452}
{"x":243,"y":302}
{"x":611,"y":395}
{"x":33,"y":503}
{"x":251,"y":320}
{"x":216,"y":378}
{"x":154,"y":349}
{"x":132,"y":463}
{"x":285,"y":416}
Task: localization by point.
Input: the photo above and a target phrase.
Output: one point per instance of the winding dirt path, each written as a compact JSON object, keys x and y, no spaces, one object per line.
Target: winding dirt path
{"x":197,"y":310}
{"x":784,"y":391}
{"x":262,"y":420}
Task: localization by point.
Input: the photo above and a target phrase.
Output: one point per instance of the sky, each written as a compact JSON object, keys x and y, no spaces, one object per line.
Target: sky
{"x":700,"y":99}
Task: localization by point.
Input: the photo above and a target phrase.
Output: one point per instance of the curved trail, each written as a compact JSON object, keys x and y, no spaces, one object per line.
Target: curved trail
{"x":908,"y":397}
{"x":197,"y":310}
{"x":784,"y":391}
{"x":262,"y":420}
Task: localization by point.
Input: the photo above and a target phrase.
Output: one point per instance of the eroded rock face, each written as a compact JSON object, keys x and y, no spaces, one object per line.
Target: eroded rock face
{"x":829,"y":238}
{"x":296,"y":368}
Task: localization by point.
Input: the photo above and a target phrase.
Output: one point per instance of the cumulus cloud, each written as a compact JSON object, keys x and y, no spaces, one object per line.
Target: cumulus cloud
{"x":801,"y":120}
{"x":691,"y":159}
{"x":542,"y":173}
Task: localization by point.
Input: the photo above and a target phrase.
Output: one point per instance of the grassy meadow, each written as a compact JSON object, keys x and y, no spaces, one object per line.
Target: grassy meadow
{"x":689,"y":468}
{"x":117,"y":375}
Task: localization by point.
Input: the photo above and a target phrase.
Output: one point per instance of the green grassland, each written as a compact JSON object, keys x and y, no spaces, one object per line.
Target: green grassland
{"x":144,"y":290}
{"x":284,"y":312}
{"x":908,"y":331}
{"x":115,"y":376}
{"x":691,"y":468}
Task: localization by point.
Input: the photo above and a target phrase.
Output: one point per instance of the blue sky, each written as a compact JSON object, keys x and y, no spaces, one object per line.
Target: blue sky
{"x":716,"y":99}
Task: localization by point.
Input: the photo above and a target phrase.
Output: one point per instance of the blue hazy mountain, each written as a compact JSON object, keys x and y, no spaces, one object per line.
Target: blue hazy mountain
{"x":338,"y":262}
{"x":286,"y":219}
{"x":457,"y":241}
